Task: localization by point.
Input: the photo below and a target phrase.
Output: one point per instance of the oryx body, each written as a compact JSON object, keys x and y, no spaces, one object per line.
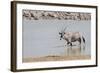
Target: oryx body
{"x":73,"y":39}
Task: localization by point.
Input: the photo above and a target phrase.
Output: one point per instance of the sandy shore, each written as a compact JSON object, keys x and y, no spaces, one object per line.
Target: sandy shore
{"x":56,"y":58}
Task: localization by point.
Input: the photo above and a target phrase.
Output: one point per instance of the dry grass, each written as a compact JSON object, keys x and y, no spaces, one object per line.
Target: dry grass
{"x":56,"y":58}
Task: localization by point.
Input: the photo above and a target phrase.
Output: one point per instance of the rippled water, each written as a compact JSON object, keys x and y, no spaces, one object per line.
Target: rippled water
{"x":41,"y":37}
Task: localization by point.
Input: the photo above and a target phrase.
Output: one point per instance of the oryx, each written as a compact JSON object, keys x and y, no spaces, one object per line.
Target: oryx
{"x":71,"y":38}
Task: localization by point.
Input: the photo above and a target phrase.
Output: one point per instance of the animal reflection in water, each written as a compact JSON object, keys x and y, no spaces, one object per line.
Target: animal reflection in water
{"x":75,"y":42}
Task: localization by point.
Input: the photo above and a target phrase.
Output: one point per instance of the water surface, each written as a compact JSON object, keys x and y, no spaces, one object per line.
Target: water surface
{"x":41,"y":37}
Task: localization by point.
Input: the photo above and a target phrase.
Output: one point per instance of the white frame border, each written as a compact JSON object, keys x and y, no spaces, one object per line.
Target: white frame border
{"x":21,"y":65}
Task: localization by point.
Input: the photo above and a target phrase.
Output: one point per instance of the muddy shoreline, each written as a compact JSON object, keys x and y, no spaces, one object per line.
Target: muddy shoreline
{"x":56,"y":58}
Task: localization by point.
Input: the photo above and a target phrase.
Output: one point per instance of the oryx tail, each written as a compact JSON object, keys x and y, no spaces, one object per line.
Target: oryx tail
{"x":83,"y":43}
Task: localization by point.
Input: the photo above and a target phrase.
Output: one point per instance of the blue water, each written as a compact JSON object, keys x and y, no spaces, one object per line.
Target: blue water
{"x":41,"y":37}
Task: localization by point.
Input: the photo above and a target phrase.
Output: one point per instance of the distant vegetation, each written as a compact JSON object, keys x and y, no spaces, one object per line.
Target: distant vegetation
{"x":58,"y":15}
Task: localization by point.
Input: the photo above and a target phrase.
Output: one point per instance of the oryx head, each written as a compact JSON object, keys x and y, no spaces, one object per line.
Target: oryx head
{"x":62,"y":33}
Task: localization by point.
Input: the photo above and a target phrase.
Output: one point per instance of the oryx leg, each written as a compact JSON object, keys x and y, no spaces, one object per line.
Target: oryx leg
{"x":66,"y":49}
{"x":69,"y":49}
{"x":80,"y":46}
{"x":83,"y":44}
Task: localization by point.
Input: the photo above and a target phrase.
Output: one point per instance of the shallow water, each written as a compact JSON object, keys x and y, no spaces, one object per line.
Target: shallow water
{"x":41,"y":37}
